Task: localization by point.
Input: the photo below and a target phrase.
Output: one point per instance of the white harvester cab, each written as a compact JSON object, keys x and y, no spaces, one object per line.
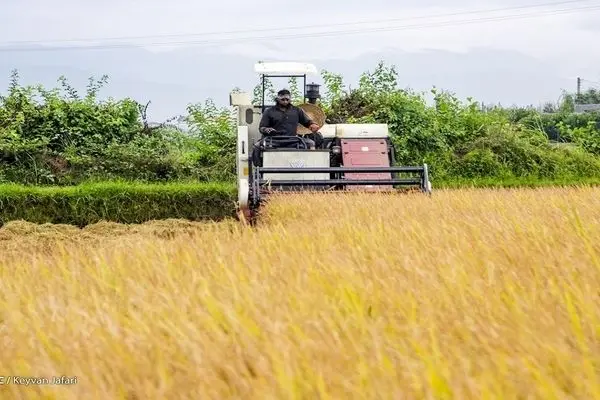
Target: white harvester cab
{"x":349,"y":156}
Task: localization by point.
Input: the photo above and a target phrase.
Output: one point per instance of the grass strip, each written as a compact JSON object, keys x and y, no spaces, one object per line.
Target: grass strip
{"x":116,"y":201}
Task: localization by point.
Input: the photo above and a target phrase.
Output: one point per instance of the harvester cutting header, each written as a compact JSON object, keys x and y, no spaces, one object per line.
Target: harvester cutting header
{"x":285,"y":148}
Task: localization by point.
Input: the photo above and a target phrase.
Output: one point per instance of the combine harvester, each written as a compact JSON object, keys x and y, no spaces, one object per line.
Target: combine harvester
{"x":352,"y":157}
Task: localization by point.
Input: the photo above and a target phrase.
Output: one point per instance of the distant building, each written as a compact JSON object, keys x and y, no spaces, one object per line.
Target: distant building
{"x":581,"y":108}
{"x":178,"y":123}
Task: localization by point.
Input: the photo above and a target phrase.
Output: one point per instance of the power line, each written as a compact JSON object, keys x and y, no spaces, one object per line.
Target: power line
{"x":217,"y":42}
{"x":592,"y":83}
{"x":304,"y":27}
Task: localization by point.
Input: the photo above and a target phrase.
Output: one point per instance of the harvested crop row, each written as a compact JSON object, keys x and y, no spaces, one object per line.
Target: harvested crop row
{"x":468,"y":294}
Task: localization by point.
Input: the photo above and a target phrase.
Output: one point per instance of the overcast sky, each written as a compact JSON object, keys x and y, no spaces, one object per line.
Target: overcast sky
{"x":568,"y":43}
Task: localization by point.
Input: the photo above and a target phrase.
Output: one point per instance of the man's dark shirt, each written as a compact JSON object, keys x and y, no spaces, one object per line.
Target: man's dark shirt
{"x":284,"y":119}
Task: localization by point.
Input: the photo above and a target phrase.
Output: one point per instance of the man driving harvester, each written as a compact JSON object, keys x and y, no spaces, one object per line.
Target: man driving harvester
{"x":283,"y":118}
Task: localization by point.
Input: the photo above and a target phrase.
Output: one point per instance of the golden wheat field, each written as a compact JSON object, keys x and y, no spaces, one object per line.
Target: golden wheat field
{"x":470,"y":294}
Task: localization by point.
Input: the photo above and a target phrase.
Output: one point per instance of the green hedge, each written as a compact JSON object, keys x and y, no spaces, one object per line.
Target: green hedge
{"x":118,"y":202}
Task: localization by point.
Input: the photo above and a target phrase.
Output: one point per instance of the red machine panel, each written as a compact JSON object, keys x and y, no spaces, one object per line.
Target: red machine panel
{"x":366,"y":153}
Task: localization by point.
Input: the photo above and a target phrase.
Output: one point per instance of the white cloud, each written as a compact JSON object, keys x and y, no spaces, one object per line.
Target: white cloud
{"x":545,"y":37}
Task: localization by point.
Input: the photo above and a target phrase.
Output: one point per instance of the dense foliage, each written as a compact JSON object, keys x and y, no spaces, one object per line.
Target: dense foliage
{"x":466,"y":140}
{"x":61,"y":137}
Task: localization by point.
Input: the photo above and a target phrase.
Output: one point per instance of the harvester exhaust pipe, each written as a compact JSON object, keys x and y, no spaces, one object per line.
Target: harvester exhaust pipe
{"x":312,"y":93}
